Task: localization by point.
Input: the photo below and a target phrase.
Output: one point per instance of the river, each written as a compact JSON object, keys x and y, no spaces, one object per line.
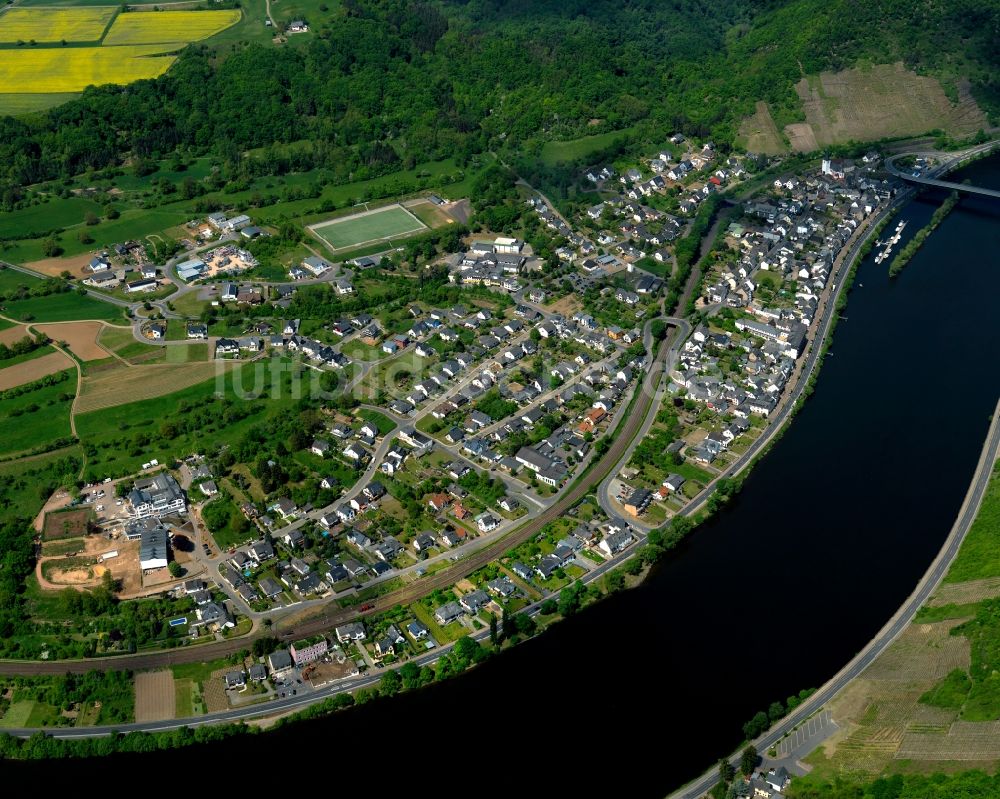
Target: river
{"x":829,"y":536}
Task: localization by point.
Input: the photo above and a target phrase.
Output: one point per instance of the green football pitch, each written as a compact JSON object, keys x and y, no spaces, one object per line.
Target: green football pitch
{"x":374,"y":226}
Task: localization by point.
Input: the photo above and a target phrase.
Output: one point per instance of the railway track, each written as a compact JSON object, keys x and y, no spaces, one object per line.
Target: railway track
{"x":331,"y":617}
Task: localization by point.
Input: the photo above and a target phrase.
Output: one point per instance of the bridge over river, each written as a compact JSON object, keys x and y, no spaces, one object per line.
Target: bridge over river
{"x":943,"y":184}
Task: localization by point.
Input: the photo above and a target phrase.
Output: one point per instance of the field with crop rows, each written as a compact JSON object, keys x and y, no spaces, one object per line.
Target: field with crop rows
{"x":55,"y":24}
{"x":150,"y":27}
{"x":73,"y":69}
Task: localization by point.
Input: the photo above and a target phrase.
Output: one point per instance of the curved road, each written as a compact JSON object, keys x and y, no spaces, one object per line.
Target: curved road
{"x":329,"y":617}
{"x":899,"y":622}
{"x":943,"y":184}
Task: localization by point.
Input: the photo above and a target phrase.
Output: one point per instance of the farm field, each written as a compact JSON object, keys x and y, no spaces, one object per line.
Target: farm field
{"x":55,"y":24}
{"x":154,"y":695}
{"x":80,"y":337}
{"x":127,"y":385}
{"x":175,"y":424}
{"x":883,"y":101}
{"x":75,"y":3}
{"x":173,"y":27}
{"x":115,"y":338}
{"x":74,"y":69}
{"x":66,"y":307}
{"x":134,"y":223}
{"x":380,"y":224}
{"x":34,"y":369}
{"x":19,"y":104}
{"x":10,"y":333}
{"x":38,"y":220}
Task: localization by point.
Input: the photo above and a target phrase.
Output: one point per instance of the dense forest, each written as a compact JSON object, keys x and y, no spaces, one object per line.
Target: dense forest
{"x":391,"y":83}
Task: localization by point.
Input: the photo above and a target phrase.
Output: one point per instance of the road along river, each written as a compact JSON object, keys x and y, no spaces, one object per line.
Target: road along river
{"x":830,"y":534}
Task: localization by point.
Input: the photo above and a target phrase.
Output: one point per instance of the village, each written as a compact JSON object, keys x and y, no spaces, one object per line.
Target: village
{"x":467,"y":420}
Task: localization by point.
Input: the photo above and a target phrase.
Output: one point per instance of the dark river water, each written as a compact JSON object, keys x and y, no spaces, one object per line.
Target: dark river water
{"x":829,"y":536}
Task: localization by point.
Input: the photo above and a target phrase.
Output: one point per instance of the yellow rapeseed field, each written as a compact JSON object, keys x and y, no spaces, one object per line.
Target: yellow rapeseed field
{"x":154,"y":27}
{"x":72,"y":69}
{"x":55,"y":24}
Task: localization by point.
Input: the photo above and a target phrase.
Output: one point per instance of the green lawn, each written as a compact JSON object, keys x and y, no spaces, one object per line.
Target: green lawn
{"x":359,"y":351}
{"x":690,"y":472}
{"x":39,"y":220}
{"x":113,"y":338}
{"x":384,"y":423}
{"x":126,"y":436}
{"x":186,"y":354}
{"x":37,"y":417}
{"x":980,"y":553}
{"x":135,"y":349}
{"x":18,"y":713}
{"x":554,"y":152}
{"x":17,"y":104}
{"x":64,"y":307}
{"x":382,"y":224}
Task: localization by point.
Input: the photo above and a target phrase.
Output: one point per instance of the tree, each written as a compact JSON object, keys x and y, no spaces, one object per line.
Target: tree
{"x":494,"y":634}
{"x":748,"y":760}
{"x":264,"y":646}
{"x":50,"y":247}
{"x":775,"y":711}
{"x":548,"y":607}
{"x":756,"y":725}
{"x":90,"y":219}
{"x":175,"y":569}
{"x":726,"y":770}
{"x":391,"y":683}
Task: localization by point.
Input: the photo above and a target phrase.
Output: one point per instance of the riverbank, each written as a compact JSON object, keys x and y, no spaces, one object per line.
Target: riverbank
{"x":662,"y":653}
{"x":939,"y":302}
{"x":914,"y":244}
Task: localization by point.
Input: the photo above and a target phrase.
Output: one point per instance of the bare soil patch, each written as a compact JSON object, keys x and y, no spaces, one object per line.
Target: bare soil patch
{"x":880,"y":101}
{"x":11,"y":334}
{"x":567,"y":306}
{"x":154,"y":696}
{"x":60,"y":499}
{"x":35,"y":369}
{"x":54,"y":267}
{"x":124,"y":567}
{"x":80,"y":337}
{"x":327,"y":672}
{"x":760,"y":133}
{"x":801,"y":137}
{"x":65,"y":523}
{"x":214,"y":691}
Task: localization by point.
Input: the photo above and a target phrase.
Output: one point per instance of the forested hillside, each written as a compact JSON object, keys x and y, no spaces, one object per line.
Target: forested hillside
{"x":396,"y":82}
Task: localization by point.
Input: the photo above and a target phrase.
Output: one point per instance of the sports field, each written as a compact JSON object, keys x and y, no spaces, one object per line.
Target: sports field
{"x":150,"y":27}
{"x":73,"y":69}
{"x":55,"y":24}
{"x":369,"y":226}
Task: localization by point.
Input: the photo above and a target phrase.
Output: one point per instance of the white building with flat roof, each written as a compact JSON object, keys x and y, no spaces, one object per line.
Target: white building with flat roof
{"x":156,"y":496}
{"x":508,"y":245}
